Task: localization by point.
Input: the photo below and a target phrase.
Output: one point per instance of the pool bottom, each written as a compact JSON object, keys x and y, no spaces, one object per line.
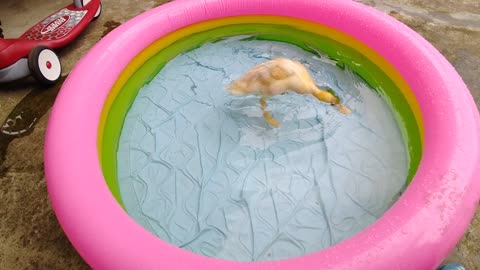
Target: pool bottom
{"x":202,"y":169}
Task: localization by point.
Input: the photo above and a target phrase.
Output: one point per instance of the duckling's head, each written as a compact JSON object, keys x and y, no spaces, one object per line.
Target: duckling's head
{"x":325,"y":96}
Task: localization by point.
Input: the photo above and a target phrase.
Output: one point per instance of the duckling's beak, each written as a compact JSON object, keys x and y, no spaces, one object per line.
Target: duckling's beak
{"x":327,"y":97}
{"x":343,"y":109}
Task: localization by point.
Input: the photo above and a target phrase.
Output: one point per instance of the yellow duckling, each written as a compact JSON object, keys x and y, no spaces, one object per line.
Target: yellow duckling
{"x":276,"y":77}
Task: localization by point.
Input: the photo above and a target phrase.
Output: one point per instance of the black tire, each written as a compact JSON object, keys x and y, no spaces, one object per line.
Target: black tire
{"x":44,"y":65}
{"x":1,"y":30}
{"x":81,"y":3}
{"x":98,"y":13}
{"x":78,"y":3}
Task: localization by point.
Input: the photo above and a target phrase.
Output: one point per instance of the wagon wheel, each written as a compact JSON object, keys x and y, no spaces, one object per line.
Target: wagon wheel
{"x":1,"y":30}
{"x":82,"y":3}
{"x":44,"y":65}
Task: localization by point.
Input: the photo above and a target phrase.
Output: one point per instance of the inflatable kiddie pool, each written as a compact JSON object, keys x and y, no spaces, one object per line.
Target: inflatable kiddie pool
{"x":441,"y":126}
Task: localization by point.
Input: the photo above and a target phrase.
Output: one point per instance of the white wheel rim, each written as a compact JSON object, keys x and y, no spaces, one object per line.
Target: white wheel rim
{"x":98,"y":10}
{"x":85,"y":2}
{"x":49,"y":65}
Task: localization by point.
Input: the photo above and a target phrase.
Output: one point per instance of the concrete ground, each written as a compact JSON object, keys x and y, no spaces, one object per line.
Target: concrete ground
{"x":30,"y":237}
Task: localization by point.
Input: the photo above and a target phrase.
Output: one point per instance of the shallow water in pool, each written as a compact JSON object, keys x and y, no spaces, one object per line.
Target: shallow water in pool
{"x":203,"y":170}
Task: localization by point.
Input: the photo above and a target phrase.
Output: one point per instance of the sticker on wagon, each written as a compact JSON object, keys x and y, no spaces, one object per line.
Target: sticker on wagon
{"x":56,"y":26}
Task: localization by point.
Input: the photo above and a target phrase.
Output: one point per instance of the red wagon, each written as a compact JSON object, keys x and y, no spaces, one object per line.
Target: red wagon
{"x":32,"y":53}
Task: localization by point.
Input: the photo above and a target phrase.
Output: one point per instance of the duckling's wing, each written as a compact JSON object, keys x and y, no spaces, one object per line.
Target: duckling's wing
{"x":278,"y":72}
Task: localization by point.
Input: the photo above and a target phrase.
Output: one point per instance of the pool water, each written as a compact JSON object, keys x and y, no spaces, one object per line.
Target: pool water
{"x":203,"y":170}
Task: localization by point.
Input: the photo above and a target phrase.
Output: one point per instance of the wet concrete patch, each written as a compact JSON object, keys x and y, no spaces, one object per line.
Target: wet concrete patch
{"x":161,"y":2}
{"x":110,"y":25}
{"x":22,"y":119}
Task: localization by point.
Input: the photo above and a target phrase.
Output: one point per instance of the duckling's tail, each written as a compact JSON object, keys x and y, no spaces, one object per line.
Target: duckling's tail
{"x":235,"y":88}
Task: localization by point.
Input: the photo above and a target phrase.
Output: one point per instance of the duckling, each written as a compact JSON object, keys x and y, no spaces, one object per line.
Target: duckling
{"x":276,"y":77}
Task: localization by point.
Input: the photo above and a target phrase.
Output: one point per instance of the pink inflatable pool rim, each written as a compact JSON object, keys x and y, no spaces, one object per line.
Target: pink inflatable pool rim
{"x":418,"y":232}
